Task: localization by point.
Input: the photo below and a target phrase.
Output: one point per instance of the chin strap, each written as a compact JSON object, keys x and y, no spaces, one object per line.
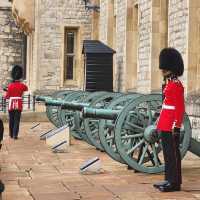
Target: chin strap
{"x":163,"y":87}
{"x":170,"y":77}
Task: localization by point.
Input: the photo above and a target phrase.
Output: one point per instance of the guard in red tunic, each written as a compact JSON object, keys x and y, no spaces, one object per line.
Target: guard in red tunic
{"x":171,"y":118}
{"x":14,"y":93}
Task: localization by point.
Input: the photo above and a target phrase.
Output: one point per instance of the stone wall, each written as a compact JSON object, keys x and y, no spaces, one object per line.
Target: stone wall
{"x":48,"y":42}
{"x":103,"y":23}
{"x":178,"y":29}
{"x":10,"y":44}
{"x":5,"y":3}
{"x":193,"y":71}
{"x":119,"y":42}
{"x":160,"y":24}
{"x":159,"y":40}
{"x":178,"y":21}
{"x":121,"y":13}
{"x":144,"y":46}
{"x":144,"y":43}
{"x":154,"y":31}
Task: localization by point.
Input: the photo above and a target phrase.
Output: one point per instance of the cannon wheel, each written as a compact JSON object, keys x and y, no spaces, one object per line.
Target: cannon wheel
{"x":106,"y":127}
{"x":134,"y":136}
{"x":72,"y":118}
{"x":92,"y":125}
{"x":52,"y":111}
{"x":79,"y":129}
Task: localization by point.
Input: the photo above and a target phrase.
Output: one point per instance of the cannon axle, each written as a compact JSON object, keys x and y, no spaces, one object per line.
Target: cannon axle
{"x":151,"y":135}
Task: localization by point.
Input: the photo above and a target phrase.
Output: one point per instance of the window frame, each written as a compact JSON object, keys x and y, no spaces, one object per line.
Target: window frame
{"x":66,"y":54}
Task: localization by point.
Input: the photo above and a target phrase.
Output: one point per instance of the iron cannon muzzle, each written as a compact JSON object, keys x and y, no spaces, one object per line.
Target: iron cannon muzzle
{"x":65,"y":104}
{"x":42,"y":98}
{"x":54,"y":102}
{"x":99,"y":113}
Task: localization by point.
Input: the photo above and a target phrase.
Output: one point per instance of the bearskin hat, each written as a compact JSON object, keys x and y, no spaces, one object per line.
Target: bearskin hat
{"x":17,"y":72}
{"x":170,"y":59}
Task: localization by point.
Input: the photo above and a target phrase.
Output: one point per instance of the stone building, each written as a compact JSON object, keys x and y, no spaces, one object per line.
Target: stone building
{"x":57,"y":44}
{"x":136,"y":29}
{"x":54,"y":47}
{"x":139,"y":29}
{"x":52,"y":55}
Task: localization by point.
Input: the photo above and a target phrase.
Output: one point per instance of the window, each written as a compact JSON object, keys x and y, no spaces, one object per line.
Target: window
{"x":70,"y":53}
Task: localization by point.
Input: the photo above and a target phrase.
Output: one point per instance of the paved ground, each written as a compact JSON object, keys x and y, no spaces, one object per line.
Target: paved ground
{"x":31,"y":171}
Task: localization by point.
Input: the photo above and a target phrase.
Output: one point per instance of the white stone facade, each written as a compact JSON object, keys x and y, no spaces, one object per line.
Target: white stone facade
{"x":136,"y":29}
{"x":178,"y":28}
{"x":120,"y":44}
{"x":144,"y":46}
{"x":160,"y":24}
{"x":46,"y":58}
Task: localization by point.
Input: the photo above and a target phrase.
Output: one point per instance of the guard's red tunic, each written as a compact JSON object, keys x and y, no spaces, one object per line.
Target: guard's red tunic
{"x":14,"y":94}
{"x":173,"y":107}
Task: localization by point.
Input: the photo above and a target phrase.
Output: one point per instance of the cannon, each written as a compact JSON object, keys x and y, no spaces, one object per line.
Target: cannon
{"x":108,"y":120}
{"x":74,"y":107}
{"x":92,"y":119}
{"x":123,"y":125}
{"x":53,"y":110}
{"x":131,"y":138}
{"x":68,"y":109}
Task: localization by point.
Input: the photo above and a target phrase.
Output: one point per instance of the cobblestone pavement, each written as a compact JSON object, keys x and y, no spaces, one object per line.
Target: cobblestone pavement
{"x":31,"y":171}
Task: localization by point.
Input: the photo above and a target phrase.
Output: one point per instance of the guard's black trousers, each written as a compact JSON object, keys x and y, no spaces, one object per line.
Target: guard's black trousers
{"x":172,"y":157}
{"x":14,"y":120}
{"x":1,"y":130}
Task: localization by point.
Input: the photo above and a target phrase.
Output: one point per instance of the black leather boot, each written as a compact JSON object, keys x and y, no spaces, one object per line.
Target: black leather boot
{"x":2,"y":187}
{"x":157,"y":185}
{"x":170,"y":187}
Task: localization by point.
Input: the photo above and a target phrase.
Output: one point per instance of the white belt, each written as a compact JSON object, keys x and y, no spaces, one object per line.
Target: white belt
{"x":167,"y":107}
{"x":12,"y":98}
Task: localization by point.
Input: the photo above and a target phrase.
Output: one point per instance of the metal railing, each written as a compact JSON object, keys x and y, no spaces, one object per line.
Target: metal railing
{"x":29,"y":103}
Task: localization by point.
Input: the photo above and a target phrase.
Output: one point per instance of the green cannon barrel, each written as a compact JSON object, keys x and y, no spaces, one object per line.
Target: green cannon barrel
{"x":66,"y":105}
{"x":43,"y":98}
{"x":99,"y":113}
{"x":49,"y":101}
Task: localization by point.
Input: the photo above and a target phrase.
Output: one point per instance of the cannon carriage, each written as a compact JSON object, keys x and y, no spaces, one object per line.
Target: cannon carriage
{"x":67,"y":109}
{"x":122,"y":125}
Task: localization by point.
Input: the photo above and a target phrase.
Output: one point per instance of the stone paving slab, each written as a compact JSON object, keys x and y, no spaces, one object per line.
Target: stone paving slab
{"x":31,"y":171}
